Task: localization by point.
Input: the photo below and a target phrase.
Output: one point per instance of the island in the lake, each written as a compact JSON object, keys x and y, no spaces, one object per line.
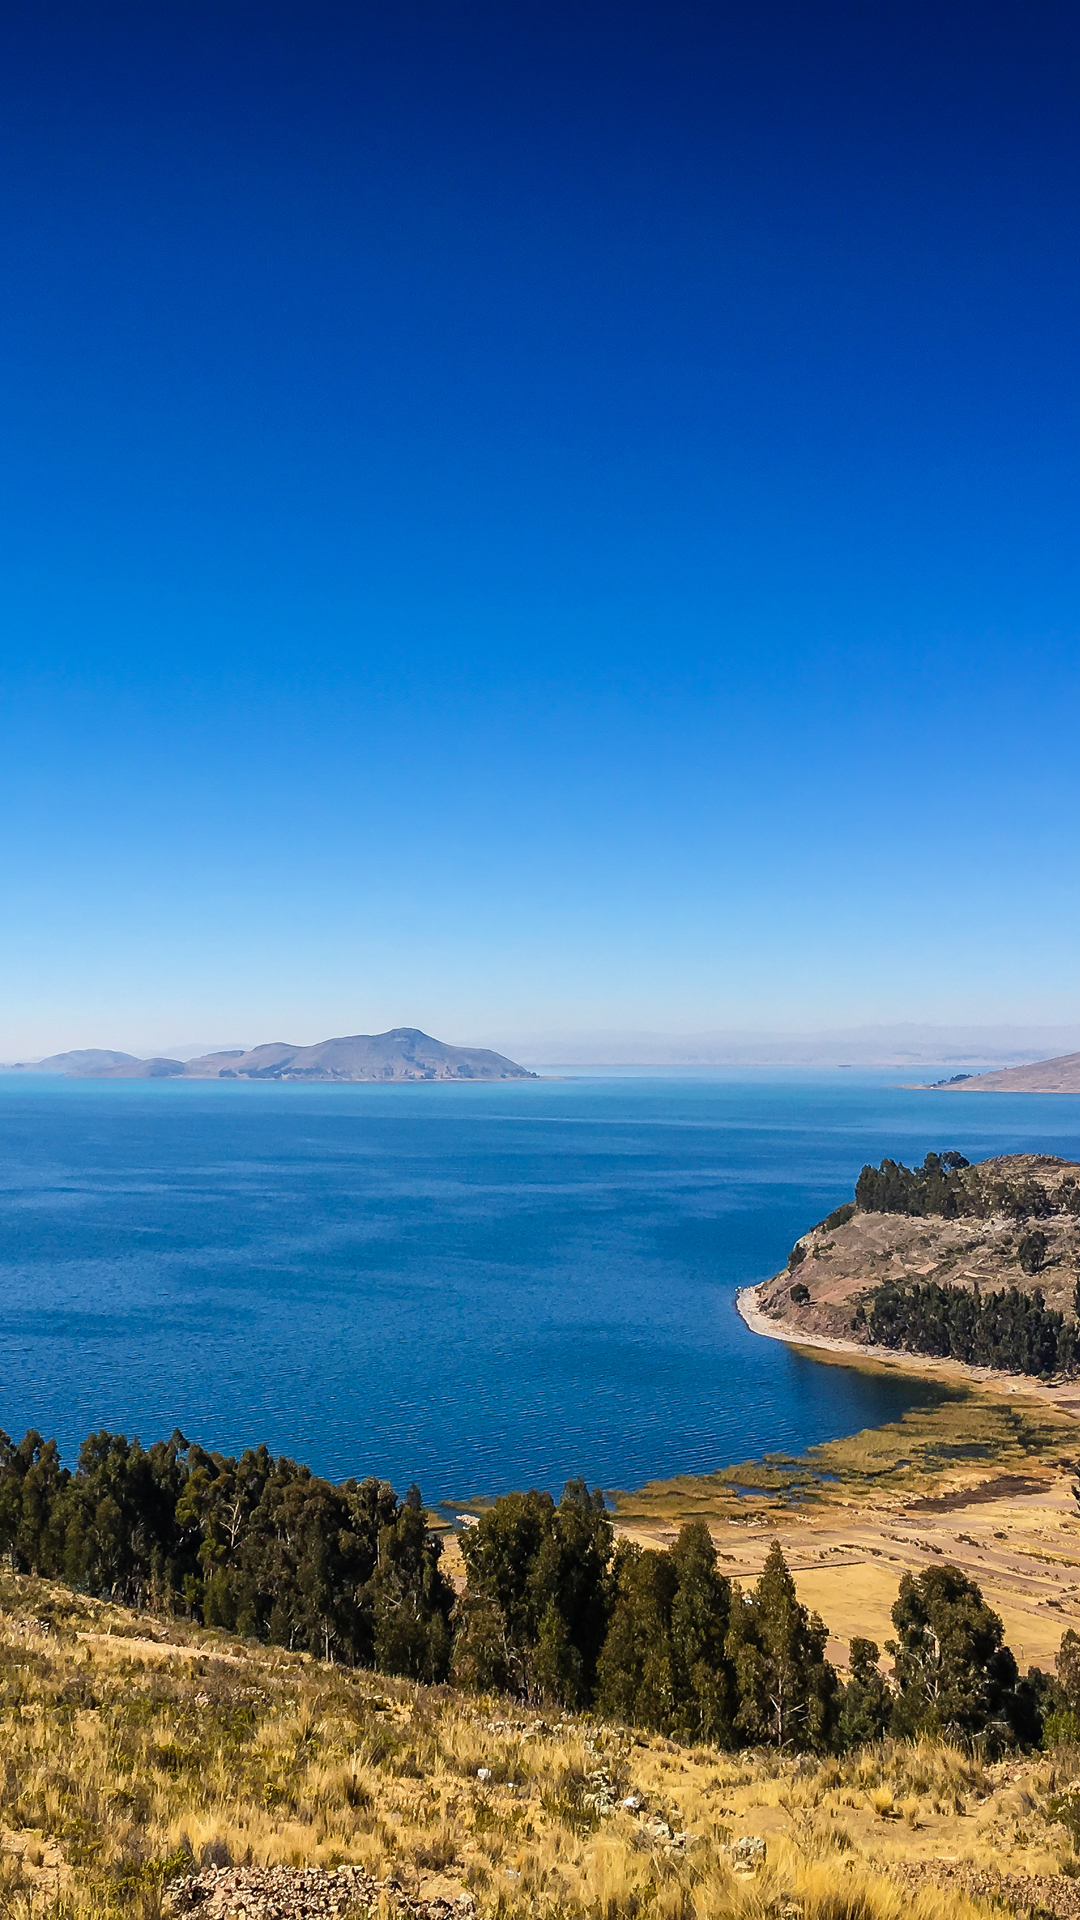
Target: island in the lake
{"x":402,"y":1054}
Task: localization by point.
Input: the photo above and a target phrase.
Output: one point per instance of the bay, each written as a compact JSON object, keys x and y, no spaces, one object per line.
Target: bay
{"x":474,"y":1287}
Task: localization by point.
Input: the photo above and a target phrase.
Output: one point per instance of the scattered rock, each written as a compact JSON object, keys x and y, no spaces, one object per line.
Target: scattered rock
{"x":1053,"y":1896}
{"x":299,"y":1893}
{"x":746,"y":1855}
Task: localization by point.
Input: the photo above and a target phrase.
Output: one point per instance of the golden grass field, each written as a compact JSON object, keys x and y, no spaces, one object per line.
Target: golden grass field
{"x":131,"y":1745}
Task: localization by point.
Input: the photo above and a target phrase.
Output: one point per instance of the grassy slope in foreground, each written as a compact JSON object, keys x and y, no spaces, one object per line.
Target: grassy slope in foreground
{"x":131,"y":1746}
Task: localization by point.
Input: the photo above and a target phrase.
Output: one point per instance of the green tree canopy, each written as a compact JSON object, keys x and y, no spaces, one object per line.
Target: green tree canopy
{"x":411,"y":1597}
{"x":664,"y":1663}
{"x":953,"y":1673}
{"x":866,"y":1703}
{"x":536,"y":1613}
{"x":787,"y":1690}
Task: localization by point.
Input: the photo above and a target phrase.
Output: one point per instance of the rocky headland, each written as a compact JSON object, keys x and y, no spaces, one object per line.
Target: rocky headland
{"x":948,"y":1259}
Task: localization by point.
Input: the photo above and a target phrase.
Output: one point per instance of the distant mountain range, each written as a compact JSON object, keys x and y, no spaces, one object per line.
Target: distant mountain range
{"x":907,"y":1045}
{"x":82,"y":1061}
{"x":402,"y":1054}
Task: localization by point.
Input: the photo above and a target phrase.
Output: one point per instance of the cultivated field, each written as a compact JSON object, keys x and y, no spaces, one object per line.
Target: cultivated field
{"x":980,"y":1476}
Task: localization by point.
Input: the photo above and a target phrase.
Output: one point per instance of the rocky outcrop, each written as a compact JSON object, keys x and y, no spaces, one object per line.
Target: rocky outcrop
{"x":1049,"y":1896}
{"x":1061,"y":1075}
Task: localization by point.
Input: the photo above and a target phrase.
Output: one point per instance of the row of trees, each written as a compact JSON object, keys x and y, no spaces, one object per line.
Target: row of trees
{"x":259,"y":1545}
{"x":935,"y":1187}
{"x":663,"y":1640}
{"x":939,"y":1187}
{"x":553,"y":1609}
{"x":1010,"y":1329}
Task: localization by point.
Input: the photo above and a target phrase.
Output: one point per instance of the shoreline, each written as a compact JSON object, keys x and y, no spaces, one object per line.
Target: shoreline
{"x":981,"y":1478}
{"x":897,"y":1360}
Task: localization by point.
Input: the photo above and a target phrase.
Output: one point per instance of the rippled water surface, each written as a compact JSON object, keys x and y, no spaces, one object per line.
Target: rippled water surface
{"x":475,"y":1287}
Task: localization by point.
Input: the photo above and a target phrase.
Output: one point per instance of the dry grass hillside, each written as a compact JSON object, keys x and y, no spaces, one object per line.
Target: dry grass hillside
{"x":843,"y":1265}
{"x":152,"y":1769}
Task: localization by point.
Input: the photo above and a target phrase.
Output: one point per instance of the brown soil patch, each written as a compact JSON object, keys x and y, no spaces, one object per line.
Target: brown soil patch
{"x":1007,"y":1486}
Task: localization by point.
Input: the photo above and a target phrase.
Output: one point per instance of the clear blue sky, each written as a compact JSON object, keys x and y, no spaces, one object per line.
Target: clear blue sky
{"x":537,"y":516}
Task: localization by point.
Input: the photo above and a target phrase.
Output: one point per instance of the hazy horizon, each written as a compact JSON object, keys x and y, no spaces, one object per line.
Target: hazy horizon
{"x":899,"y":1044}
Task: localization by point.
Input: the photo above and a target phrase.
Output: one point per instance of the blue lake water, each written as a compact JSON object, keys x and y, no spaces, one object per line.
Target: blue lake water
{"x":476,"y":1287}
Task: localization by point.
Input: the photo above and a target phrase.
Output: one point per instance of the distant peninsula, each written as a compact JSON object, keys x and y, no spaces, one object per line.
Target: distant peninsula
{"x":402,"y":1054}
{"x":1043,"y":1076}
